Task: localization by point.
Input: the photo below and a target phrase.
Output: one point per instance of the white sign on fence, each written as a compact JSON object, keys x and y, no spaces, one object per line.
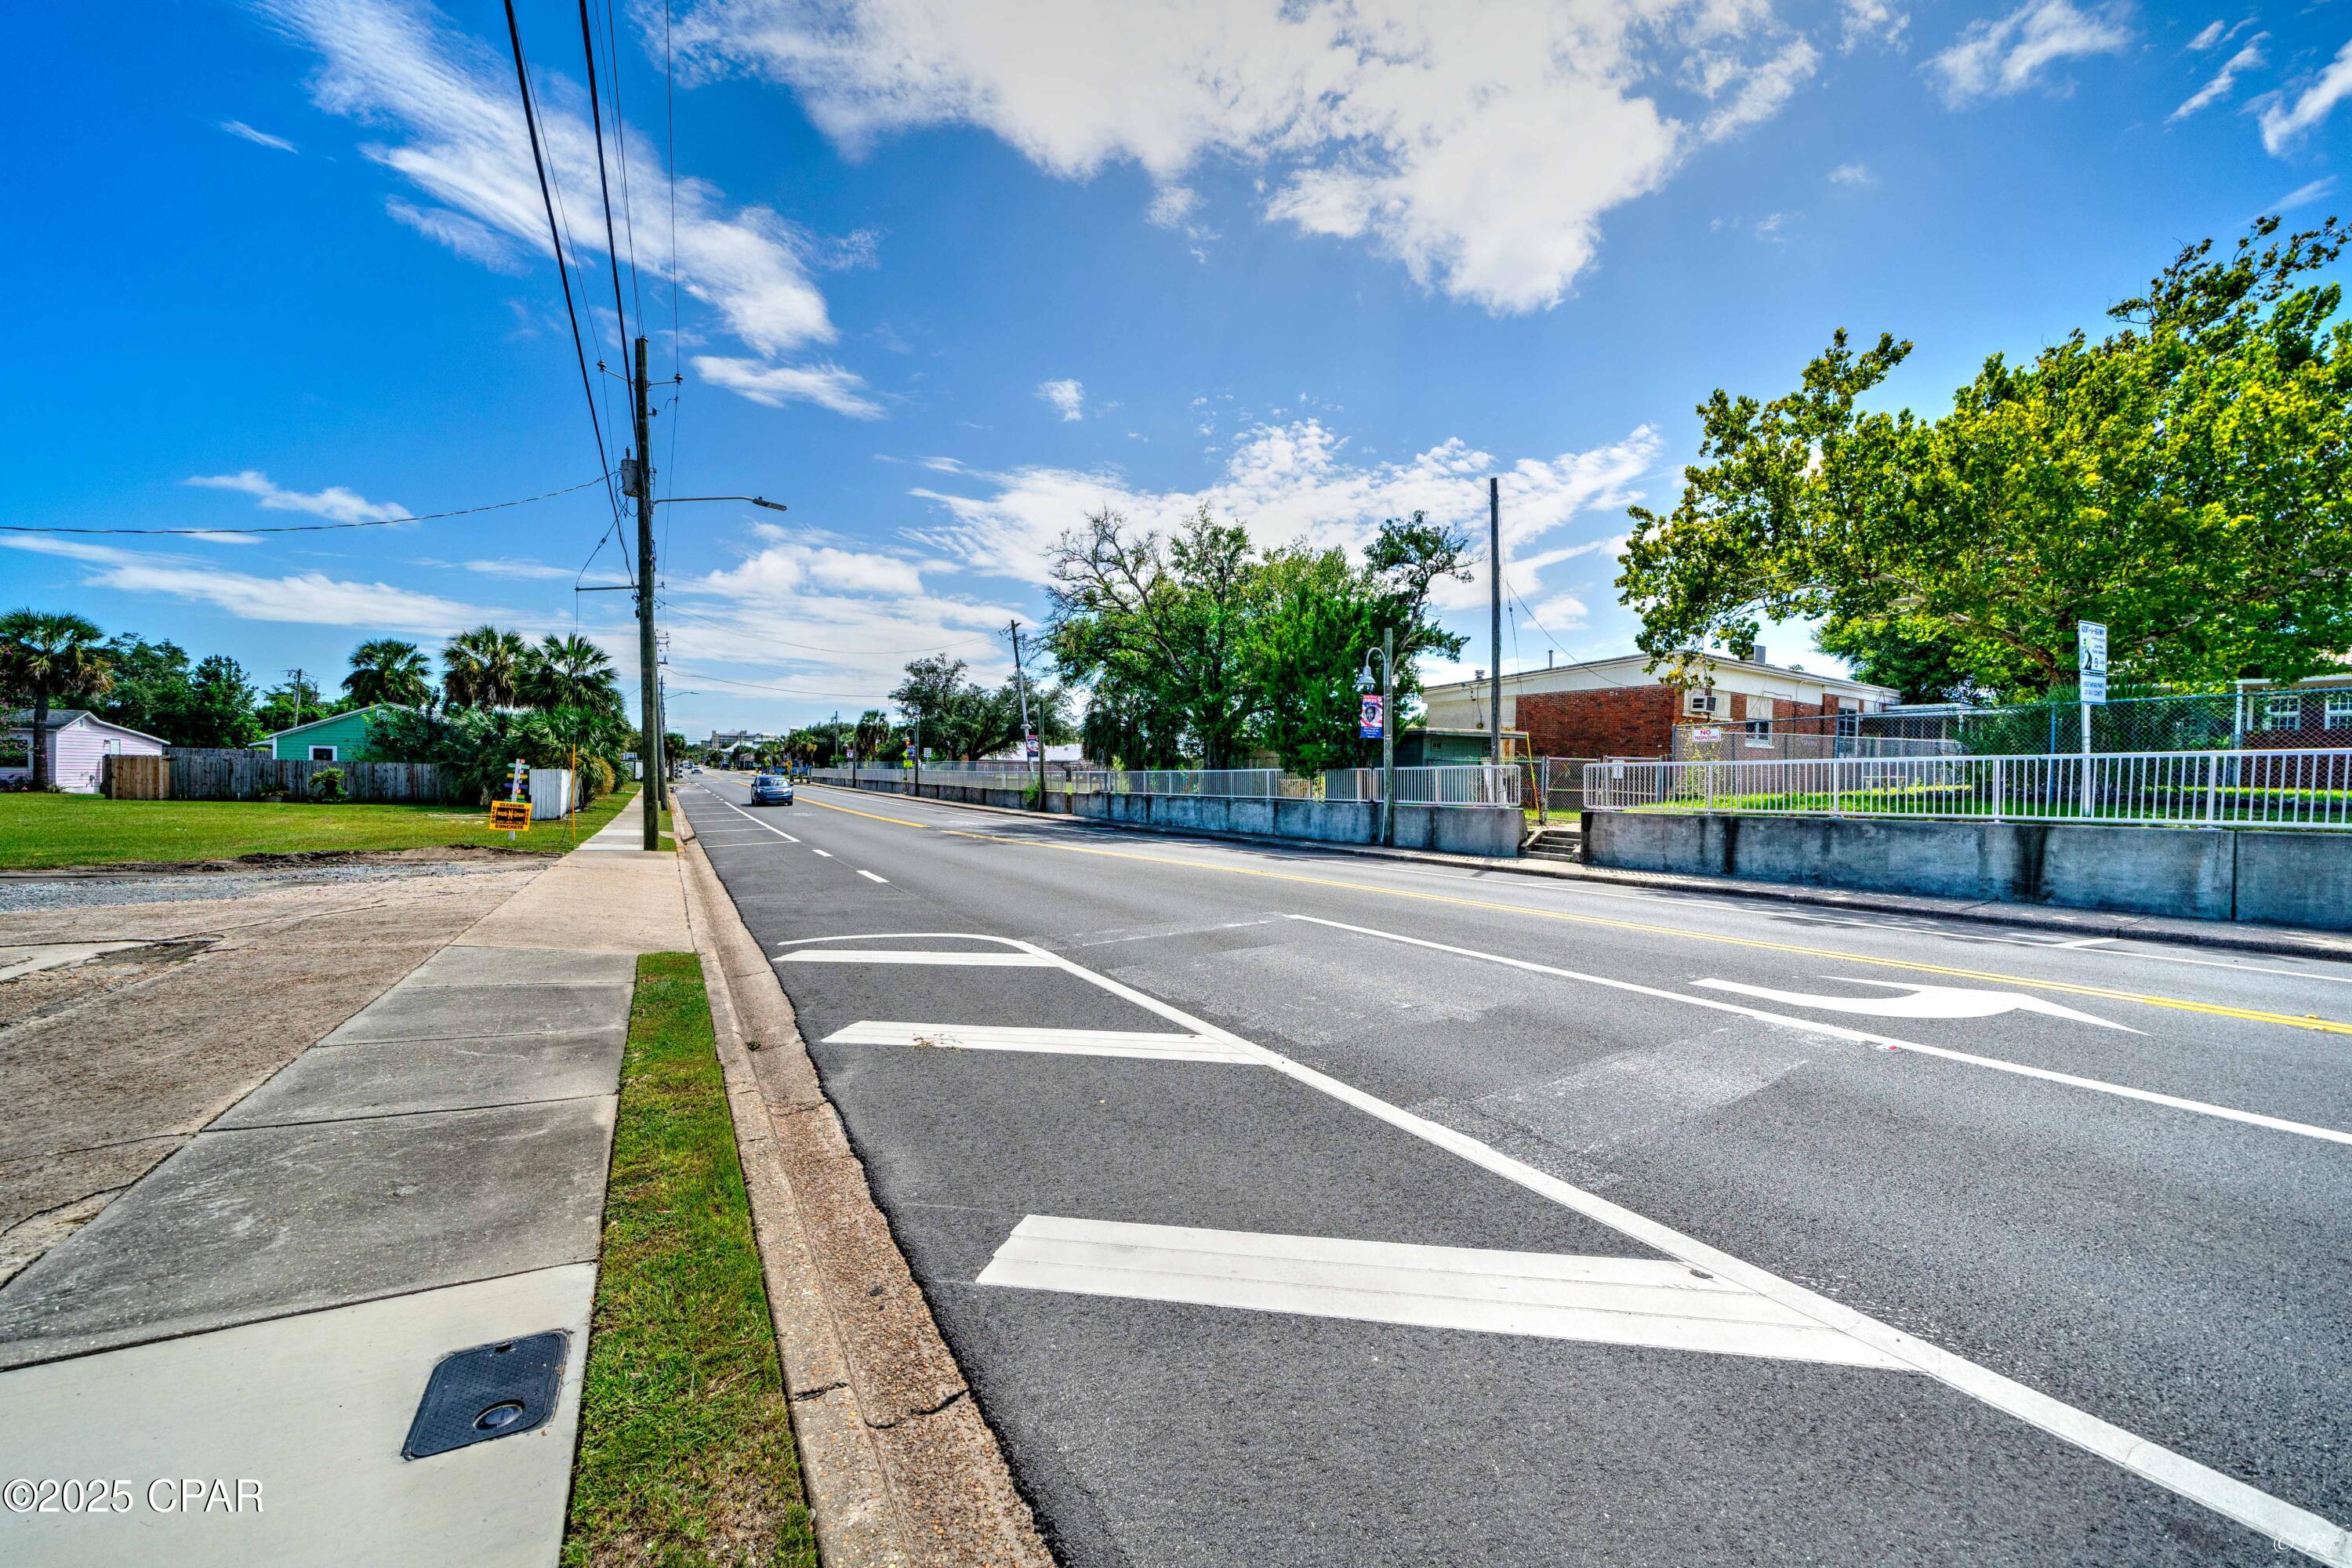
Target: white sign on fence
{"x":2091,"y":659}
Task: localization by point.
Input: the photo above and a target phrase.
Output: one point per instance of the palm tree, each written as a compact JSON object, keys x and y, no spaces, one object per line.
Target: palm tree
{"x":484,"y":667}
{"x":46,"y":655}
{"x":571,"y":672}
{"x":387,"y":670}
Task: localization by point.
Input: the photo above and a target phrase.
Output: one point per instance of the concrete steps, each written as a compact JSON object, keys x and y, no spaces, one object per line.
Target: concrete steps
{"x":1553,"y":843}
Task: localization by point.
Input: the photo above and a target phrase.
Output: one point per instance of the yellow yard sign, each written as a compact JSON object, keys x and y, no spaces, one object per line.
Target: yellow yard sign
{"x":510,"y":814}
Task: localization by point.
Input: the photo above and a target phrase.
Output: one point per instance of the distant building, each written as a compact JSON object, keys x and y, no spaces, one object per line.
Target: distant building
{"x":79,"y":743}
{"x":339,"y":738}
{"x":1614,"y":708}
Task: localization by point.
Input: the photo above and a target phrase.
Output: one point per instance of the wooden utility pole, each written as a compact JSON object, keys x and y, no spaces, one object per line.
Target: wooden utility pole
{"x":649,"y":736}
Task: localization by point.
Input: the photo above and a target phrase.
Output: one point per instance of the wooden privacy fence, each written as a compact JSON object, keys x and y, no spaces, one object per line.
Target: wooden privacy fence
{"x":190,"y":773}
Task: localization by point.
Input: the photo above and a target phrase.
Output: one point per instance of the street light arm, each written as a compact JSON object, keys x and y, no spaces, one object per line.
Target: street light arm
{"x":755,"y":500}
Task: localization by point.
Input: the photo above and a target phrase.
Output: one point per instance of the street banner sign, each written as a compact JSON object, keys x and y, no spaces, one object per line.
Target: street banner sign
{"x":1029,"y":748}
{"x":1368,"y":721}
{"x":2091,"y":655}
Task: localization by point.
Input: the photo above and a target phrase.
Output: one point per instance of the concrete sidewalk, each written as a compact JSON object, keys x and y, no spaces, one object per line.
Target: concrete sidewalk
{"x":260,"y":1312}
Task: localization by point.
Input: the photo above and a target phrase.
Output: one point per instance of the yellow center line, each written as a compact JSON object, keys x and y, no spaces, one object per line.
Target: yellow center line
{"x":2147,"y":999}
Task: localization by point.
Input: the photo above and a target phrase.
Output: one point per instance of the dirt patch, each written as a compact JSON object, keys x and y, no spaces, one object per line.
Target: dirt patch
{"x":108,"y":1065}
{"x":436,"y":854}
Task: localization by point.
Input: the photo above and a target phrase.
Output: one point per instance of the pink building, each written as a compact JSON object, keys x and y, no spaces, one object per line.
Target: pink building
{"x":79,"y":743}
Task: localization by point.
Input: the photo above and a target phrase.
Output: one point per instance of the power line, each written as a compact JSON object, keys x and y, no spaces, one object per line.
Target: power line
{"x":555,"y":234}
{"x":316,"y":527}
{"x":621,"y":150}
{"x":596,"y":120}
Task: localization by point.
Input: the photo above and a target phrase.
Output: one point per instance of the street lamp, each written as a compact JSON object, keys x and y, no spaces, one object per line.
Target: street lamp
{"x":1387,"y":652}
{"x":755,"y":500}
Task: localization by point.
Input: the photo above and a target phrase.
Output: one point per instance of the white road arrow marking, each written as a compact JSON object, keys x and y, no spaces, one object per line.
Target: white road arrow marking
{"x":1923,"y":1001}
{"x":1602,"y":1300}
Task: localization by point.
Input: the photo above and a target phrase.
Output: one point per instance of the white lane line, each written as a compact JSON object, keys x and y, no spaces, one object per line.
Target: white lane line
{"x":1601,"y":1300}
{"x":753,"y":820}
{"x":918,"y":955}
{"x":2282,"y":1521}
{"x":1056,"y":1042}
{"x":870,"y":875}
{"x":1884,"y":1042}
{"x":826,"y":853}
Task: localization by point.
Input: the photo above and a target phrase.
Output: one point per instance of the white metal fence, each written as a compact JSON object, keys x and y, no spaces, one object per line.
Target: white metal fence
{"x":1466,"y":784}
{"x":2223,"y":789}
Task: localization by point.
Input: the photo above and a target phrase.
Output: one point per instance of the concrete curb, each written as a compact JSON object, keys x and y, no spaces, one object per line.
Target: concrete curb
{"x":901,"y":1469}
{"x":2287,"y":941}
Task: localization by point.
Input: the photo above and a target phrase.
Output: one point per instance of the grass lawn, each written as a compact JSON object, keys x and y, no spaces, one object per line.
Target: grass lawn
{"x":44,"y":831}
{"x":685,"y":1442}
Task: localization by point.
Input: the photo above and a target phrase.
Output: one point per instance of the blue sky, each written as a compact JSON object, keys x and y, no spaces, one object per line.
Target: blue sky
{"x":953,"y":272}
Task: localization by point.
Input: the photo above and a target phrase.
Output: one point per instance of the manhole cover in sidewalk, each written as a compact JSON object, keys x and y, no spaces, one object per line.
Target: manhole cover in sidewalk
{"x":489,"y":1391}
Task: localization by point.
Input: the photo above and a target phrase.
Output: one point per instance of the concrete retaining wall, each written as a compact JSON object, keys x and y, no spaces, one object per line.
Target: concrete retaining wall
{"x":2208,"y":873}
{"x":1489,"y":830}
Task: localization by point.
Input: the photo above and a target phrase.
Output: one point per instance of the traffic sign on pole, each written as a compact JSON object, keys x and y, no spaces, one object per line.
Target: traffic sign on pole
{"x":2091,"y":659}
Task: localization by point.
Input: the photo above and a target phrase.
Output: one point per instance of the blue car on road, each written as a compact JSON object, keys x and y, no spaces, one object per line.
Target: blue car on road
{"x":771,"y":789}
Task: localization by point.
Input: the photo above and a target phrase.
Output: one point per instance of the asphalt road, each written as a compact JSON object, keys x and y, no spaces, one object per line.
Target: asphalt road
{"x":1292,"y":1207}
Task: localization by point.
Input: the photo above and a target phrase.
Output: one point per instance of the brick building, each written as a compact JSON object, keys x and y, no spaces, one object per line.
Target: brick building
{"x":1613,"y":707}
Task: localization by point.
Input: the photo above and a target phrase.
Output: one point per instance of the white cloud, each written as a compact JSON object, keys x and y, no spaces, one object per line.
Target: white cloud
{"x":1763,"y":90}
{"x":2213,"y":33}
{"x":1297,"y":483}
{"x":2245,"y":60}
{"x":308,"y":598}
{"x":1874,"y":19}
{"x":827,"y":386}
{"x":454,"y":128}
{"x":258,"y":137}
{"x":1852,"y":175}
{"x":2303,"y":196}
{"x":334,"y":503}
{"x":2282,"y":125}
{"x":1479,"y":146}
{"x":1171,"y":205}
{"x":1068,"y":397}
{"x":1994,"y":58}
{"x":460,"y":234}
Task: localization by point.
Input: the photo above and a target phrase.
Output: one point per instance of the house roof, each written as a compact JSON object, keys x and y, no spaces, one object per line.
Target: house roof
{"x":333,"y":717}
{"x":61,"y":718}
{"x":1631,"y":664}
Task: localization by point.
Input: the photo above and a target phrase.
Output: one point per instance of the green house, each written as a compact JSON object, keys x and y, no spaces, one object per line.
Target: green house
{"x":341,"y":739}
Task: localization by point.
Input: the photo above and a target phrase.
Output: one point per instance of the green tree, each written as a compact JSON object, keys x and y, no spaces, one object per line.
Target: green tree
{"x":46,"y":655}
{"x":2186,"y":480}
{"x":1314,"y":617}
{"x":149,"y":684}
{"x":570,"y":672}
{"x":298,"y":703}
{"x":387,"y":670}
{"x":484,"y":667}
{"x":1157,"y":628}
{"x":217,"y":707}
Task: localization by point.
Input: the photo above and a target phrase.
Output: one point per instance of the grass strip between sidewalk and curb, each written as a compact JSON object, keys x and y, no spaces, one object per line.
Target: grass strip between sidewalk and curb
{"x":686,"y":1445}
{"x":42,"y":831}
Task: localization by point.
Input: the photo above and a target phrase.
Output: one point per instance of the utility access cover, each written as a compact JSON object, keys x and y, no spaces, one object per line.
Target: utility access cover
{"x":489,"y":1391}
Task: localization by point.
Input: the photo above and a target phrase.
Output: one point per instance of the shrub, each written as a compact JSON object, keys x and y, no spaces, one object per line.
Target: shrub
{"x":326,"y":783}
